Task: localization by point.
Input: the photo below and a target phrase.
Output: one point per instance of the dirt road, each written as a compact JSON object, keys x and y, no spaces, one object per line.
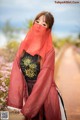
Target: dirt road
{"x":68,"y":81}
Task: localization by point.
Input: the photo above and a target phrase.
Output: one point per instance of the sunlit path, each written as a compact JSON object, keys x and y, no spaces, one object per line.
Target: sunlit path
{"x":68,"y":81}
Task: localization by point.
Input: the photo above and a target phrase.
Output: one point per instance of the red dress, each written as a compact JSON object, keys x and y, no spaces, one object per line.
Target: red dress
{"x":43,"y":102}
{"x":44,"y":91}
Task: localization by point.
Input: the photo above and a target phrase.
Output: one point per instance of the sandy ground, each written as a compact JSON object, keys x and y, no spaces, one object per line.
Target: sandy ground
{"x":68,"y":82}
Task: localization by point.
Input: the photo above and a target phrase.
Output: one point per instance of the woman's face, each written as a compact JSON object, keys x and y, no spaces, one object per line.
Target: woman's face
{"x":41,"y":21}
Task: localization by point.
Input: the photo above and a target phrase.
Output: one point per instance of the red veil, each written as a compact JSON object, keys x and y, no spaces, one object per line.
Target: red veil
{"x":38,"y":41}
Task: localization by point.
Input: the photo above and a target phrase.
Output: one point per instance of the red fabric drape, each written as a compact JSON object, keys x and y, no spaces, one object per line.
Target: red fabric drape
{"x":37,"y":41}
{"x":44,"y":90}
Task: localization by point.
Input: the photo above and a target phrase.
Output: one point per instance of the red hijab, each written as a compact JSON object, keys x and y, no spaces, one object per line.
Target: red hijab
{"x":38,"y":41}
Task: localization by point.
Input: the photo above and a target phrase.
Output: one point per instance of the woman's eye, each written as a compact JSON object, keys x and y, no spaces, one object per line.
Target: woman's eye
{"x":44,"y":24}
{"x":37,"y":21}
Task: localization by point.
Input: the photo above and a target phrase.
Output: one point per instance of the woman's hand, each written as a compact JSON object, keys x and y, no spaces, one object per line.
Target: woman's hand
{"x":13,"y":110}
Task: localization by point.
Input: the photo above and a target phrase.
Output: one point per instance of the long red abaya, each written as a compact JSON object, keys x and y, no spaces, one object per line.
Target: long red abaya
{"x":44,"y":90}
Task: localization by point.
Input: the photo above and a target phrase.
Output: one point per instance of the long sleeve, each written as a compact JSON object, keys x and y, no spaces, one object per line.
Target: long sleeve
{"x":41,"y":87}
{"x":15,"y":92}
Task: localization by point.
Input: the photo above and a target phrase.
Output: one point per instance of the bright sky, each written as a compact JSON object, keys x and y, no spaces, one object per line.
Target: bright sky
{"x":67,"y":16}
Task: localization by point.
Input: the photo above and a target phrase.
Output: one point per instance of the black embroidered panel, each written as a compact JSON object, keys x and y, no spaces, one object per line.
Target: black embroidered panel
{"x":30,"y":66}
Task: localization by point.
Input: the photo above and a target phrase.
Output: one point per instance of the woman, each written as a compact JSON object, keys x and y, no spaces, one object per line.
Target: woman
{"x":32,"y":88}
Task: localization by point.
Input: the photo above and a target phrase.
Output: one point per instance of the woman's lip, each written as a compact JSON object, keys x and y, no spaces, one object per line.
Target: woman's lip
{"x":38,"y":28}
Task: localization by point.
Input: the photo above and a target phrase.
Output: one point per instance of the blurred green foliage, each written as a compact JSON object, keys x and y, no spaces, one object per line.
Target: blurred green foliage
{"x":30,"y":23}
{"x":9,"y":52}
{"x":0,"y":75}
{"x":77,"y":43}
{"x":11,"y":47}
{"x":7,"y":81}
{"x":60,"y":42}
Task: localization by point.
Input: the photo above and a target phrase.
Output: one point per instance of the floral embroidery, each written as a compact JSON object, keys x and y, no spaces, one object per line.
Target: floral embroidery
{"x":26,"y":61}
{"x":30,"y":73}
{"x":33,"y":66}
{"x":29,"y":66}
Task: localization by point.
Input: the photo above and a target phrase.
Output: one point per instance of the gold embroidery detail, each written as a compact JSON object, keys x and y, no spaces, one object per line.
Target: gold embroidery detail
{"x":31,"y":70}
{"x":30,"y":73}
{"x":32,"y":66}
{"x":27,"y":61}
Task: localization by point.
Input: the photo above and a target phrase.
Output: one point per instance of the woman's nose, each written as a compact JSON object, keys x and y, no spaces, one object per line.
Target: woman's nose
{"x":39,"y":25}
